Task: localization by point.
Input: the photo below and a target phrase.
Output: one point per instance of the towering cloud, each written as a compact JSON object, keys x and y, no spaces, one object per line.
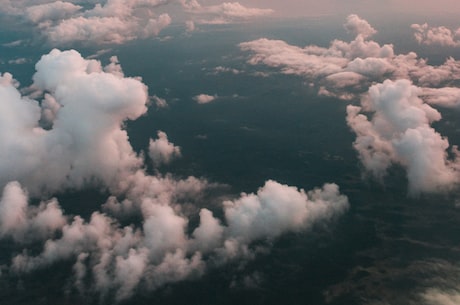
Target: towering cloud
{"x":399,"y":132}
{"x":359,"y":26}
{"x":86,"y":107}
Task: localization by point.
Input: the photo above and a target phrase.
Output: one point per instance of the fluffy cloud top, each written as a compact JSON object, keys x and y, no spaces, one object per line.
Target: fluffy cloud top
{"x":399,"y":132}
{"x":70,"y":152}
{"x":359,"y":26}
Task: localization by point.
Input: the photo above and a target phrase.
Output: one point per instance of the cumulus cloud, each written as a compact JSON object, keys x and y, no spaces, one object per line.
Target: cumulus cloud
{"x":441,"y":35}
{"x":226,"y":12}
{"x":161,"y":151}
{"x":23,"y":222}
{"x":73,"y":154}
{"x":75,"y":139}
{"x":51,"y":11}
{"x":347,"y":69}
{"x":393,"y":123}
{"x":97,"y":22}
{"x":120,"y":259}
{"x":204,"y":98}
{"x":399,"y":132}
{"x":63,"y":23}
{"x":359,"y":26}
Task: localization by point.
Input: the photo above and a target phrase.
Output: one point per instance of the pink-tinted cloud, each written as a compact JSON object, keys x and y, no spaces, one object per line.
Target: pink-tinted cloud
{"x":362,"y":61}
{"x":161,"y":151}
{"x":441,"y":35}
{"x":399,"y":132}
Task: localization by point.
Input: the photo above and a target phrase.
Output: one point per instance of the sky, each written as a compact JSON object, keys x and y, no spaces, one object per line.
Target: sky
{"x":148,"y":145}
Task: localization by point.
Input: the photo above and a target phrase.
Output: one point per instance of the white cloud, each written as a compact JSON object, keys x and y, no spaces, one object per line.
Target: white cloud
{"x":51,"y":11}
{"x":72,"y":153}
{"x":445,"y":97}
{"x":23,"y":222}
{"x":359,"y":26}
{"x":226,"y":12}
{"x":204,"y":98}
{"x":399,"y":132}
{"x":63,"y":23}
{"x":277,"y":208}
{"x":117,"y":259}
{"x":85,"y":106}
{"x":106,"y":22}
{"x":368,"y":60}
{"x":161,"y":151}
{"x":441,"y":35}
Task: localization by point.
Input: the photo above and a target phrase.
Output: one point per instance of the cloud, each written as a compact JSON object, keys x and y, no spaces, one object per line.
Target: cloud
{"x":23,"y":222}
{"x":51,"y":11}
{"x":190,"y":26}
{"x":18,"y":61}
{"x":255,"y":216}
{"x":441,"y":35}
{"x":437,"y":297}
{"x":73,"y":154}
{"x":119,"y":259}
{"x":446,"y":97}
{"x":357,"y":64}
{"x":74,"y":139}
{"x":161,"y":151}
{"x":226,"y":12}
{"x":359,"y":26}
{"x":399,"y":132}
{"x":204,"y":98}
{"x":99,"y":22}
{"x":393,"y":123}
{"x":159,"y":102}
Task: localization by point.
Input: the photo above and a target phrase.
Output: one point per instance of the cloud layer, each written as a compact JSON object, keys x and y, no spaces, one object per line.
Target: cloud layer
{"x":347,"y":69}
{"x":98,"y":22}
